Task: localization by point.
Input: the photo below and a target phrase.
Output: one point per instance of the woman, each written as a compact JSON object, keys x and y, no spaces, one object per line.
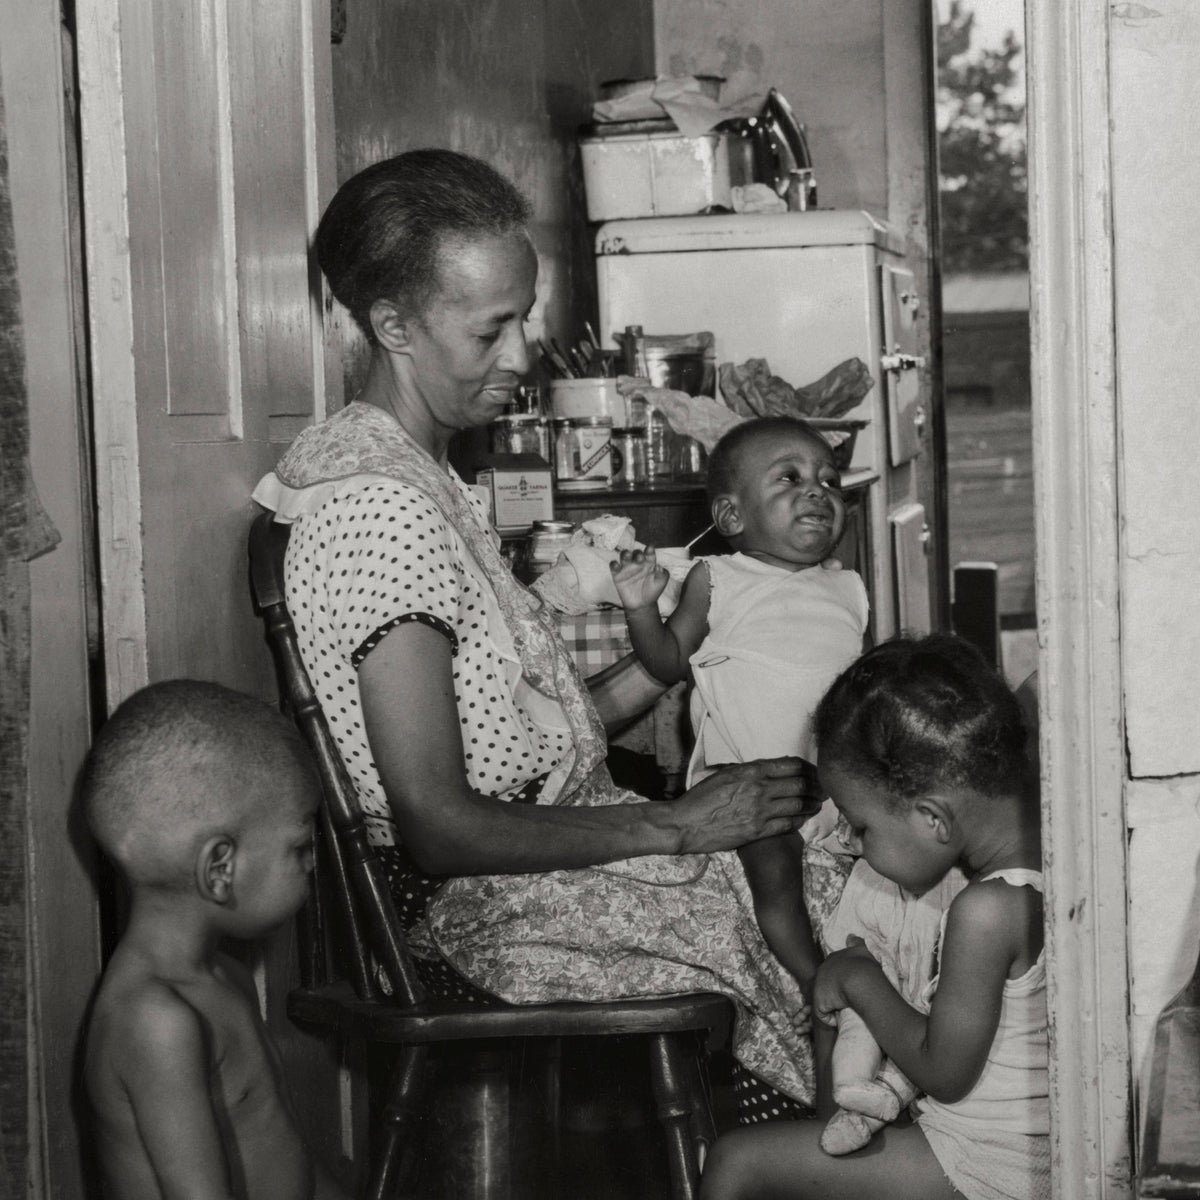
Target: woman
{"x":456,"y":707}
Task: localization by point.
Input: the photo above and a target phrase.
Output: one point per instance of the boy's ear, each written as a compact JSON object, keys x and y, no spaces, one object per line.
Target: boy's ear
{"x":938,"y":817}
{"x":390,"y":327}
{"x":726,"y":517}
{"x":215,"y":868}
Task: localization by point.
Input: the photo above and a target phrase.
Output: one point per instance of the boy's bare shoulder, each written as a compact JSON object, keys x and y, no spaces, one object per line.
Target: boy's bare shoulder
{"x":138,"y":1016}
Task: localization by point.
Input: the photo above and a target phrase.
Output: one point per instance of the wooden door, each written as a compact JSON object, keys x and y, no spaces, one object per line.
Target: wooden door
{"x":207,"y":155}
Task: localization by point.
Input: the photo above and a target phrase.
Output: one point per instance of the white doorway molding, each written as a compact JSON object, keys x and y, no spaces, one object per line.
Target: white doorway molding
{"x":1076,"y":506}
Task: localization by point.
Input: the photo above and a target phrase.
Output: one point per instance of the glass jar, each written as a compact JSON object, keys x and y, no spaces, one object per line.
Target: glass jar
{"x":630,"y":463}
{"x":521,"y":433}
{"x":583,"y":458}
{"x":547,"y":540}
{"x":691,"y":462}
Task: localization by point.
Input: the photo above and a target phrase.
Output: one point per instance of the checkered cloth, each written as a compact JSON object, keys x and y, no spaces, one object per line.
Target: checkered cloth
{"x":595,"y":639}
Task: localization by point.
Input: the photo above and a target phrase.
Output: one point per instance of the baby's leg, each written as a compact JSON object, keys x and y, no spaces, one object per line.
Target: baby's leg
{"x":785,"y":1162}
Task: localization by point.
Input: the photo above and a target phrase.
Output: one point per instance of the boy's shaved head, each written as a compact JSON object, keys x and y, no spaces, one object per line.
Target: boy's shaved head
{"x":178,"y":762}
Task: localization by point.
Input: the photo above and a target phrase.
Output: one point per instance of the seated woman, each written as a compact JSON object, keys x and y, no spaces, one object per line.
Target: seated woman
{"x":477,"y":751}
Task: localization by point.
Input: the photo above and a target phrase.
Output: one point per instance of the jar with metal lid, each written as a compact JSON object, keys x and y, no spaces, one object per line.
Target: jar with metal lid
{"x":630,"y":464}
{"x":521,"y":433}
{"x":583,"y":453}
{"x":547,"y":540}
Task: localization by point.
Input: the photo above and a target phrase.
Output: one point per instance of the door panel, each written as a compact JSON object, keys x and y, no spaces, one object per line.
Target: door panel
{"x":902,"y":363}
{"x":910,"y":538}
{"x":218,"y":120}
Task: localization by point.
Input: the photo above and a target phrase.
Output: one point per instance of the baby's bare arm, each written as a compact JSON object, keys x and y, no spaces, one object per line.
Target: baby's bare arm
{"x":153,"y":1057}
{"x":663,"y":648}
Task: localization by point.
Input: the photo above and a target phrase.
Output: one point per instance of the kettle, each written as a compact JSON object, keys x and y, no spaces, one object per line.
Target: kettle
{"x":776,"y":146}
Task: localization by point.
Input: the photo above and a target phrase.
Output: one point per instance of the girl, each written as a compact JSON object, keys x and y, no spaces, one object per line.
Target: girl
{"x":923,"y":751}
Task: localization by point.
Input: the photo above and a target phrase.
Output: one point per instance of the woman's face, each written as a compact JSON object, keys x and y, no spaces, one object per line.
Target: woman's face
{"x":466,"y":352}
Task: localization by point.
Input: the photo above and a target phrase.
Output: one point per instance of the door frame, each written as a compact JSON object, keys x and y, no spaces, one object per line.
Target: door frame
{"x":62,"y":949}
{"x":1075,"y":468}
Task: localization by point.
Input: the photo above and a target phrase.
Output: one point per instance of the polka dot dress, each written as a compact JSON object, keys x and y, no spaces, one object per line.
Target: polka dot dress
{"x":757,"y":1101}
{"x":379,"y":554}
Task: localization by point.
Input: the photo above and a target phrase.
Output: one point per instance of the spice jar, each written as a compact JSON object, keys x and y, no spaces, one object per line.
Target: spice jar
{"x":583,"y":453}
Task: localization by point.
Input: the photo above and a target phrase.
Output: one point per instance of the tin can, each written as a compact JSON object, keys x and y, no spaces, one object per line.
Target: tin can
{"x":547,"y":540}
{"x":583,"y":453}
{"x":521,"y":433}
{"x":630,"y":464}
{"x":801,"y":190}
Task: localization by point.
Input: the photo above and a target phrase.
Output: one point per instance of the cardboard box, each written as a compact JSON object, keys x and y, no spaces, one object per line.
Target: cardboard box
{"x":519,"y":488}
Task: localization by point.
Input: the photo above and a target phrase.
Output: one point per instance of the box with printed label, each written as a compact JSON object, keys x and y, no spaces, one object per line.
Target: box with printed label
{"x":519,"y":489}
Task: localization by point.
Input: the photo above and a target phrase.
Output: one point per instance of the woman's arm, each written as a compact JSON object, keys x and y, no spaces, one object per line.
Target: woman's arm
{"x":622,"y":692}
{"x":944,"y":1053}
{"x":412,"y":723}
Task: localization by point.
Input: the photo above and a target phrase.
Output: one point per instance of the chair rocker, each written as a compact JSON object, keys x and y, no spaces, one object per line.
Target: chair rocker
{"x":340,"y":995}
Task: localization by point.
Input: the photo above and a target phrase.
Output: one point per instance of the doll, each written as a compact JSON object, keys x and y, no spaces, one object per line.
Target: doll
{"x":901,"y":932}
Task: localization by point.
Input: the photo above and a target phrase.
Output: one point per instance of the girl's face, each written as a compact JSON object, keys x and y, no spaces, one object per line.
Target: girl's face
{"x":900,"y":841}
{"x":789,"y":500}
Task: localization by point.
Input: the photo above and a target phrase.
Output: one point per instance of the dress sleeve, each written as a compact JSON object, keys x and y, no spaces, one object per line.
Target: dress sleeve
{"x":390,"y":557}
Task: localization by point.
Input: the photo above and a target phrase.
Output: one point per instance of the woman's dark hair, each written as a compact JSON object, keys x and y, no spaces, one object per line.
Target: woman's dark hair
{"x":380,"y":235}
{"x":725,"y":459}
{"x":915,"y":714}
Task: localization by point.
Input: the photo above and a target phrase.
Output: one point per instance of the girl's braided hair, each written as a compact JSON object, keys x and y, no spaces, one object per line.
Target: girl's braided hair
{"x":915,"y":714}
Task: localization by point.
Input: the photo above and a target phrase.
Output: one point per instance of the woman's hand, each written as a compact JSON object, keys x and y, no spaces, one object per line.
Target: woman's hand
{"x":837,"y":974}
{"x":638,"y":578}
{"x":746,"y":802}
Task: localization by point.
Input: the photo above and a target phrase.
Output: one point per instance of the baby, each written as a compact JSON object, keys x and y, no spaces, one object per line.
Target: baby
{"x":762,"y":633}
{"x":204,"y":800}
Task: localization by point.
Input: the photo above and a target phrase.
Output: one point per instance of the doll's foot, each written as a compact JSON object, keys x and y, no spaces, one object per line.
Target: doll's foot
{"x":846,"y":1132}
{"x":868,"y":1097}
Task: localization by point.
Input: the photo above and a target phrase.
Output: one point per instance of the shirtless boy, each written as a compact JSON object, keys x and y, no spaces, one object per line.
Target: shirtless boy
{"x":204,"y":799}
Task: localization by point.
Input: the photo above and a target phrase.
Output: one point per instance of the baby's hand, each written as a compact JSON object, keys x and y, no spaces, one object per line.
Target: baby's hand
{"x":833,"y":976}
{"x":639,"y":579}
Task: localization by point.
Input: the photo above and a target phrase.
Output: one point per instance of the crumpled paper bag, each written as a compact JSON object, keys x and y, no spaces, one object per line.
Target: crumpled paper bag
{"x":682,"y":99}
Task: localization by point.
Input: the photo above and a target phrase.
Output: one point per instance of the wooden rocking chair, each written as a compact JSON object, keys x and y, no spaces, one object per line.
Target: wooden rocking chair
{"x":348,"y":1003}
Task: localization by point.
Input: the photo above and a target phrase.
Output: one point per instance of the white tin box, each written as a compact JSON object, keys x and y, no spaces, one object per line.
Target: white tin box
{"x":659,"y":174}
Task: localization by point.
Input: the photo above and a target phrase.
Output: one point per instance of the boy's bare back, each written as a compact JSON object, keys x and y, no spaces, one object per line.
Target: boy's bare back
{"x":187,"y":1088}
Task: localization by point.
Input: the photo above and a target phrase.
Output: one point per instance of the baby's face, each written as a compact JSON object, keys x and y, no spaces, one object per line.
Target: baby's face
{"x":789,"y":499}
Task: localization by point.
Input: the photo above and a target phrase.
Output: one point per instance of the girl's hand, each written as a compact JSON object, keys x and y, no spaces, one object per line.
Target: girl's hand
{"x":638,"y":578}
{"x":837,"y":974}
